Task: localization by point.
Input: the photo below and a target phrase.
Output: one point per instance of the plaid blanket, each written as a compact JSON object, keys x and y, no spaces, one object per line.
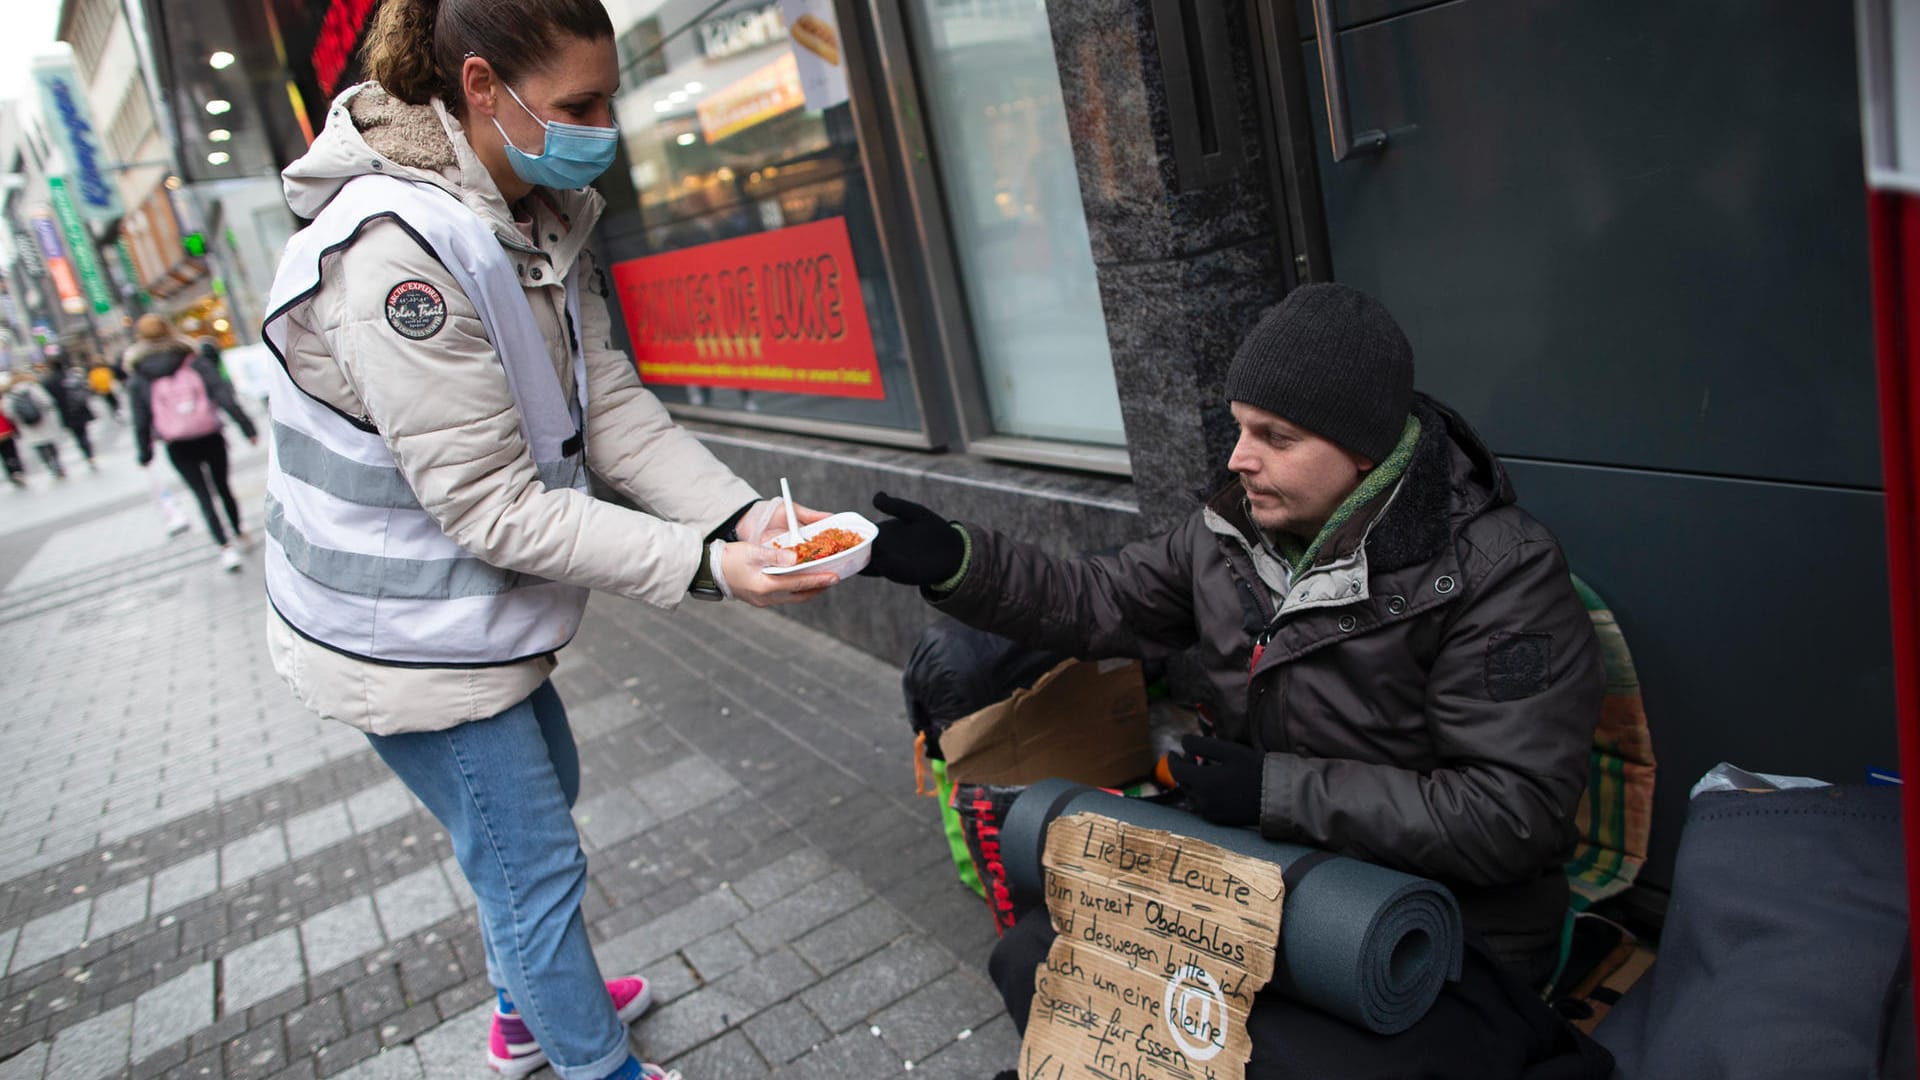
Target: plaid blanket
{"x":1616,"y":814}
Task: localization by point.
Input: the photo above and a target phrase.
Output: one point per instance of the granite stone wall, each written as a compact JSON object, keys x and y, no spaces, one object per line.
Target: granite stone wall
{"x":1184,"y":271}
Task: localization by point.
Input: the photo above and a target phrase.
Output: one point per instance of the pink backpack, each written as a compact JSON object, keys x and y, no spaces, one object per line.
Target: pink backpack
{"x":182,"y":408}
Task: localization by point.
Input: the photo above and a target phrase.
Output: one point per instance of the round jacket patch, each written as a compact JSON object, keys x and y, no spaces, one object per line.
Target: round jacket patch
{"x":416,"y":310}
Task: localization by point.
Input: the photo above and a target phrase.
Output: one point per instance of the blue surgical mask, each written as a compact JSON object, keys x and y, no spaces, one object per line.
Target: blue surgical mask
{"x":571,"y":156}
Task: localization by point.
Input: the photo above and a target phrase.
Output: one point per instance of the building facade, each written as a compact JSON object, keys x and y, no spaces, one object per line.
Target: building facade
{"x":63,"y":298}
{"x":995,"y":256}
{"x":191,"y":242}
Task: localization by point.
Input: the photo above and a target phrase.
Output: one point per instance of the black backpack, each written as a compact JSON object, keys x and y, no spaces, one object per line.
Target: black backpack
{"x":25,"y":409}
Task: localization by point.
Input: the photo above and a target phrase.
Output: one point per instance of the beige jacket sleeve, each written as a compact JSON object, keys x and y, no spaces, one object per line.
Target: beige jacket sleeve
{"x":632,"y":443}
{"x":444,"y":408}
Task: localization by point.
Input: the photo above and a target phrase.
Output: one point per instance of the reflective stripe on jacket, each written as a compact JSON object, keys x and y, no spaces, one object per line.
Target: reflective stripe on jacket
{"x":353,"y":560}
{"x":444,"y":408}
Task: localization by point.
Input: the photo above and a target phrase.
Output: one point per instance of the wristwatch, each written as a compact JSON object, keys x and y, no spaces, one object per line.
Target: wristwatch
{"x":707,"y":584}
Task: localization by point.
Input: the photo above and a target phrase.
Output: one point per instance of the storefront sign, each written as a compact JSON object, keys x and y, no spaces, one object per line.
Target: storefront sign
{"x":27,"y":254}
{"x":761,"y":96}
{"x":773,"y":311}
{"x":66,"y":112}
{"x":339,"y":33}
{"x":126,"y":277}
{"x":815,"y":32}
{"x":54,"y":257}
{"x":80,"y":248}
{"x":741,"y":31}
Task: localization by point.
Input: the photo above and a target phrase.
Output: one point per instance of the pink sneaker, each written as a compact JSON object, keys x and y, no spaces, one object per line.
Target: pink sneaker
{"x":511,"y":1048}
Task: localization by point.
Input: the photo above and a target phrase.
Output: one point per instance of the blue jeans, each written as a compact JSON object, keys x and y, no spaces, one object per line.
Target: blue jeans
{"x":503,"y":787}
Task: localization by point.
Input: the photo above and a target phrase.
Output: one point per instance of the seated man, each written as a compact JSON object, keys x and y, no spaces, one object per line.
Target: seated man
{"x":1396,"y":665}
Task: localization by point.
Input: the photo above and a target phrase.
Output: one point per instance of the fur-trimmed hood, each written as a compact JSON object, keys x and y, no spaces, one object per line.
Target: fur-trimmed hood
{"x":157,"y":359}
{"x":371,"y":132}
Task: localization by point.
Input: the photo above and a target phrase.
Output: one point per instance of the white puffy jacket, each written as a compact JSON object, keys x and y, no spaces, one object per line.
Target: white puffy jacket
{"x":443,"y":406}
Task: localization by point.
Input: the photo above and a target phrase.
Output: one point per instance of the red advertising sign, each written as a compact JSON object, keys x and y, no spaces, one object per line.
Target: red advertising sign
{"x":778,"y":310}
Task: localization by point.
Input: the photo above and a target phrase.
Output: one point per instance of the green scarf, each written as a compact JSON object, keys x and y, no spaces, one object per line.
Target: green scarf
{"x":1300,"y":556}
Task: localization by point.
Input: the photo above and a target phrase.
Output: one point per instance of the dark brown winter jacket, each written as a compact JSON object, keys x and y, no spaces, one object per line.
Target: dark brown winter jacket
{"x":1427,"y":692}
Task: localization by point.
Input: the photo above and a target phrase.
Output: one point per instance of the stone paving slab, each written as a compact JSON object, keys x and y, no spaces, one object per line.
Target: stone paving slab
{"x":252,"y":855}
{"x":257,"y":971}
{"x":28,"y":1064}
{"x":92,"y":1048}
{"x":414,"y":902}
{"x":50,"y":935}
{"x":119,"y":908}
{"x":345,"y":932}
{"x":185,"y":881}
{"x":173,"y":1010}
{"x":382,"y":803}
{"x":273,"y":905}
{"x":317,"y":830}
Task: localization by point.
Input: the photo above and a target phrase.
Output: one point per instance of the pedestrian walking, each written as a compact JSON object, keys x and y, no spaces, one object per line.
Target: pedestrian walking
{"x":71,"y":392}
{"x":10,"y":453}
{"x":177,"y":396}
{"x":101,"y":380}
{"x":32,"y":411}
{"x":448,"y":382}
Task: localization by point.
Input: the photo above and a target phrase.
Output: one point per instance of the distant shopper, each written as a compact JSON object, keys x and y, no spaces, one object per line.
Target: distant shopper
{"x":32,"y":411}
{"x":101,"y":380}
{"x":177,"y":397}
{"x":10,"y":452}
{"x":69,"y":389}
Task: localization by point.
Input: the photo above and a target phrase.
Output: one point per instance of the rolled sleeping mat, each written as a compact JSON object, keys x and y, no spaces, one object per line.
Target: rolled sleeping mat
{"x":1369,"y":945}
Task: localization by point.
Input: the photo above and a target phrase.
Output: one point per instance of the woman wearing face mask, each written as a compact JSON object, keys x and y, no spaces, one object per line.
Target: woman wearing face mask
{"x":448,"y":382}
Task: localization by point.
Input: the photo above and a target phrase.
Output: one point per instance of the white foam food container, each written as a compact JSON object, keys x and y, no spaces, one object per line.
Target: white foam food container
{"x":846,"y":563}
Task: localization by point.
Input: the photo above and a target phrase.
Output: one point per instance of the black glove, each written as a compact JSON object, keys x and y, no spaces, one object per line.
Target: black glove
{"x":916,"y":546}
{"x":1220,"y":778}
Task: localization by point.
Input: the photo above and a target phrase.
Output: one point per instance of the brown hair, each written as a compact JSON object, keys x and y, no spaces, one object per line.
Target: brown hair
{"x":152,"y":327}
{"x":417,"y":47}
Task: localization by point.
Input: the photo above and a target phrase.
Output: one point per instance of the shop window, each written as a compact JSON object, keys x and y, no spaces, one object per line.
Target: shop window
{"x":764,"y":289}
{"x":991,"y":95}
{"x":895,"y":255}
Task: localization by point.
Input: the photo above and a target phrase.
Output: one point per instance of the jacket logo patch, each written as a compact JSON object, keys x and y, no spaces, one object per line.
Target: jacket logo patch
{"x":416,"y":310}
{"x":1518,"y":665}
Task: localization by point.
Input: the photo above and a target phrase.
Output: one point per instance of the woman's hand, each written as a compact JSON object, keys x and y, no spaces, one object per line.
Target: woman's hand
{"x":741,"y":563}
{"x":765,"y":520}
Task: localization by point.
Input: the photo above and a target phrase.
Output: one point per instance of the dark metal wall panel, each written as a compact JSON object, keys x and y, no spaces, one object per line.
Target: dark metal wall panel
{"x":1756,"y":612}
{"x":1623,"y":232}
{"x":1350,"y":13}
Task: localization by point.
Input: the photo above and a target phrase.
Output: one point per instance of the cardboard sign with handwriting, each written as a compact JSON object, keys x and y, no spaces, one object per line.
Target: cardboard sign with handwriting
{"x":1163,"y":941}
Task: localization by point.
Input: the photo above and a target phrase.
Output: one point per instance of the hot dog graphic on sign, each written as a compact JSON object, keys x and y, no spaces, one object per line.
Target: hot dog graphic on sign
{"x":815,"y":35}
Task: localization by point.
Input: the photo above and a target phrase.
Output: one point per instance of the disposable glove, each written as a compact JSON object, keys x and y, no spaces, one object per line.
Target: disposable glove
{"x":766,"y":520}
{"x":1221,"y":779}
{"x":742,"y":562}
{"x":916,"y":546}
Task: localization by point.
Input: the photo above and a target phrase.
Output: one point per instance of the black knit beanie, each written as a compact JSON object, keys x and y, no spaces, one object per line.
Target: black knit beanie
{"x":1330,"y":359}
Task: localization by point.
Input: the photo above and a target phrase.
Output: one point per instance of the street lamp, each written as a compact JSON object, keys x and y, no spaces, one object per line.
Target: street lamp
{"x":218,"y":157}
{"x":219,"y":135}
{"x":218,"y":107}
{"x":220,"y":61}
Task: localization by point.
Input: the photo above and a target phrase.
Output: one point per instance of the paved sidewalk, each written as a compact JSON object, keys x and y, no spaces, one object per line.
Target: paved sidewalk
{"x":200,"y":880}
